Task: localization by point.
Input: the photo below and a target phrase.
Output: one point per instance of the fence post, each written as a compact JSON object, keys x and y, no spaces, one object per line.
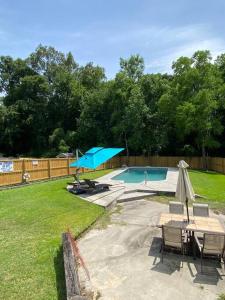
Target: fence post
{"x":223,"y":165}
{"x":49,"y":168}
{"x":23,"y":169}
{"x":68,"y":165}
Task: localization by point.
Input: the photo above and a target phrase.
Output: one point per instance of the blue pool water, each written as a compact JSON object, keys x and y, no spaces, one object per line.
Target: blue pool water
{"x":135,"y":175}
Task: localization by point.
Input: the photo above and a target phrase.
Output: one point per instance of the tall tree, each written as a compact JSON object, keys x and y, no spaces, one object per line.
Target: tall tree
{"x":153,"y":86}
{"x":91,"y":76}
{"x":47,"y":61}
{"x":133,"y":67}
{"x":49,"y":104}
{"x":11,"y":72}
{"x":192,"y":102}
{"x":25,"y":127}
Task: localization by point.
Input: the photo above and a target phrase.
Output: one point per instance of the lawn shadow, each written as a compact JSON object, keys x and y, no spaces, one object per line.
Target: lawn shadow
{"x":60,"y":274}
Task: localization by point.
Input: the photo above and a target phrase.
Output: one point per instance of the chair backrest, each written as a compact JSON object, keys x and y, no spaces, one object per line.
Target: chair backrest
{"x":213,"y":242}
{"x":172,"y":236}
{"x":176,"y":208}
{"x":90,"y":183}
{"x":200,"y":210}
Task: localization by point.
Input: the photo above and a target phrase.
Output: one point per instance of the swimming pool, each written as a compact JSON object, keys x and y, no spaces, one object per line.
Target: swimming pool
{"x":136,"y":175}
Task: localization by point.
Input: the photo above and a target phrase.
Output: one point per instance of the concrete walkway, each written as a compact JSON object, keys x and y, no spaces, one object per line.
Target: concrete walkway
{"x":124,"y":260}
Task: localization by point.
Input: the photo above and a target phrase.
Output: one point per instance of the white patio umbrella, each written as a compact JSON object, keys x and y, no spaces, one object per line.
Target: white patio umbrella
{"x":184,"y":191}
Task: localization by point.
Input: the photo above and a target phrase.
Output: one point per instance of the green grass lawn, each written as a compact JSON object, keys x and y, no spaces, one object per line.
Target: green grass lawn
{"x":32,"y":219}
{"x":210,"y":185}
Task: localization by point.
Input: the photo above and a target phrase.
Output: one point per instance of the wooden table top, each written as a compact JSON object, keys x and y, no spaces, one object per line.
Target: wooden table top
{"x":197,"y":224}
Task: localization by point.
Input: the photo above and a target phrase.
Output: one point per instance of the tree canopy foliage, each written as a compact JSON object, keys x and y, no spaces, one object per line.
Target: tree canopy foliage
{"x":50,"y":104}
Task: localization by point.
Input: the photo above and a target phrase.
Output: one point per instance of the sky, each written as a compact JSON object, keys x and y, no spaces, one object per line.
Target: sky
{"x":102,"y":31}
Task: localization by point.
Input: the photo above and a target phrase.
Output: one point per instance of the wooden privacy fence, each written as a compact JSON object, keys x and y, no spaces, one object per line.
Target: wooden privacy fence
{"x":40,"y":169}
{"x":213,"y":163}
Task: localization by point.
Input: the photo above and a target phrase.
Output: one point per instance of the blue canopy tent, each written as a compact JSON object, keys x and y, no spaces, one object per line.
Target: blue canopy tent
{"x":95,"y":157}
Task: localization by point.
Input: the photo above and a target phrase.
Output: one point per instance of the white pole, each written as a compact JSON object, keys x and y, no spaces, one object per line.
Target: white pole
{"x":77,"y":154}
{"x":77,"y":170}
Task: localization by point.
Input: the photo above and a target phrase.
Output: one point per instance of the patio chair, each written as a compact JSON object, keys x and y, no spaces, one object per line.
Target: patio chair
{"x":176,"y":208}
{"x":173,"y":238}
{"x":200,"y":210}
{"x":92,"y":184}
{"x":77,"y":181}
{"x":212,"y":244}
{"x":90,"y":187}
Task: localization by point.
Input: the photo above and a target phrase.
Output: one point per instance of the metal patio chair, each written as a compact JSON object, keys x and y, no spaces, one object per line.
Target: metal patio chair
{"x":200,"y":210}
{"x":176,"y":208}
{"x":173,"y":238}
{"x":212,"y":244}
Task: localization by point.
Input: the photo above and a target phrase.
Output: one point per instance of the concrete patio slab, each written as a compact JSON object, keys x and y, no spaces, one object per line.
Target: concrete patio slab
{"x":124,"y":260}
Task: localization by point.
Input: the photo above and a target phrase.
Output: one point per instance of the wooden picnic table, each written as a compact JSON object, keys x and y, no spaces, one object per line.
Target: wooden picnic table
{"x":196,"y":224}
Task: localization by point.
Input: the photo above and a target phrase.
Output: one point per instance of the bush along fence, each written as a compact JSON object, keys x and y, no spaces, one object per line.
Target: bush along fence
{"x":19,"y":171}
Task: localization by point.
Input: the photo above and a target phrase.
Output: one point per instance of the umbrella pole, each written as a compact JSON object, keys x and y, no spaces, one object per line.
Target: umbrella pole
{"x":77,"y":175}
{"x":187,"y":210}
{"x":186,"y":200}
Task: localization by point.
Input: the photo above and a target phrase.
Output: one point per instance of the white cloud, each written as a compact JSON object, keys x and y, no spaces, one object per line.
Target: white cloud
{"x":160,"y":46}
{"x":186,"y":41}
{"x":164,"y":62}
{"x":155,"y":33}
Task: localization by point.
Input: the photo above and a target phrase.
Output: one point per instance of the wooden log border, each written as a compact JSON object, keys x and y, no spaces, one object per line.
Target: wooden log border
{"x":71,"y":271}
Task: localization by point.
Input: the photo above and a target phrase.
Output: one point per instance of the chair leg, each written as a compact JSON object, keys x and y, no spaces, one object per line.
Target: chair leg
{"x":162,"y":250}
{"x":201,"y":261}
{"x":194,"y":249}
{"x":183,"y":256}
{"x":221,"y":260}
{"x":194,"y":245}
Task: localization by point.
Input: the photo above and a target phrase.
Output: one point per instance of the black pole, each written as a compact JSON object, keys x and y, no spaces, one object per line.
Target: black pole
{"x":187,"y":210}
{"x":186,"y":199}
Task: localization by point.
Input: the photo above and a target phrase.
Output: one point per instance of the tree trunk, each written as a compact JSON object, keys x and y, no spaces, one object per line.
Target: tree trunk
{"x":127,"y":149}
